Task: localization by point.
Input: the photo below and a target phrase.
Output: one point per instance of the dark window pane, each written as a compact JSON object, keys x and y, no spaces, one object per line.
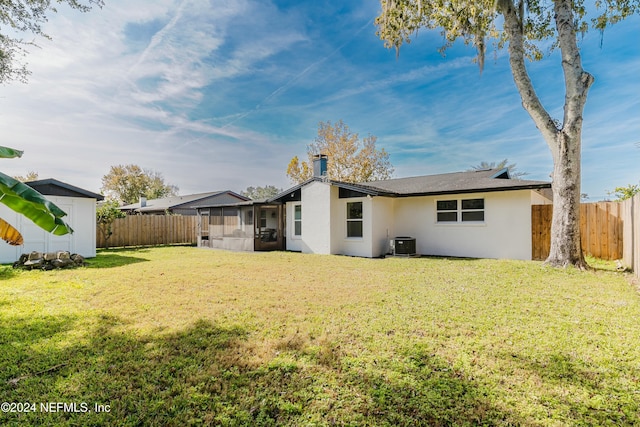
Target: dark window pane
{"x":354,"y":210}
{"x":447,"y":205}
{"x":344,"y":193}
{"x":473,"y":204}
{"x":230,"y":211}
{"x":297,"y":228}
{"x":447,"y":216}
{"x":298,"y":212}
{"x":354,"y":228}
{"x":473,"y":216}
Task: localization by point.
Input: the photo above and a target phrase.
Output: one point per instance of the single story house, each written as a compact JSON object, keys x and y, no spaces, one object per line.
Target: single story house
{"x":483,"y":214}
{"x":181,"y":205}
{"x":80,"y":206}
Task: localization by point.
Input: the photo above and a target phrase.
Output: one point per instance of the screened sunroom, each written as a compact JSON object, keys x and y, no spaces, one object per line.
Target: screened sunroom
{"x":245,"y":226}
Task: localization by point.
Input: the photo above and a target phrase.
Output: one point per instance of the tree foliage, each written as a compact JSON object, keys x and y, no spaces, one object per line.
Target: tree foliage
{"x":526,"y":32}
{"x":126,"y":183}
{"x":26,"y":16}
{"x":257,"y":193}
{"x":350,"y":159}
{"x":28,"y":202}
{"x":30,"y":176}
{"x":477,"y":21}
{"x":106,"y":214}
{"x":513,"y":169}
{"x":624,"y":193}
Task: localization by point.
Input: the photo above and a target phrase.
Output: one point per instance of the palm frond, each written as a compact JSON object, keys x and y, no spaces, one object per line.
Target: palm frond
{"x":28,"y":202}
{"x":9,"y":234}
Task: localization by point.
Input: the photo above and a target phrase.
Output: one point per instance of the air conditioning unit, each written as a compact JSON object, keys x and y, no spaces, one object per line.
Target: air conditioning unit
{"x":403,"y":246}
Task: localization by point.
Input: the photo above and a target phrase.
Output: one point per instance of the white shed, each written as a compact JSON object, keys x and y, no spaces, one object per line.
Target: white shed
{"x":80,"y":206}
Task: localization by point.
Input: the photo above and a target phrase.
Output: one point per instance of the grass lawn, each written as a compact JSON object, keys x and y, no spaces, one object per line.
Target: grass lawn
{"x":178,"y":336}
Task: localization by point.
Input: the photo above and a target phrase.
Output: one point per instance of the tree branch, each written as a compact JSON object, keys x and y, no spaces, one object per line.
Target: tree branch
{"x":577,"y":81}
{"x":530,"y":101}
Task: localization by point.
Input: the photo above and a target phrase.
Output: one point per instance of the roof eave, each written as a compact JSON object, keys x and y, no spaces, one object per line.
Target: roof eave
{"x":477,"y":190}
{"x":55,"y":182}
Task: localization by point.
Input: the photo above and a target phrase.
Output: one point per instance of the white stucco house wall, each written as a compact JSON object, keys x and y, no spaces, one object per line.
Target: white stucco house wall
{"x":482,"y":214}
{"x":80,"y":206}
{"x":479,"y":214}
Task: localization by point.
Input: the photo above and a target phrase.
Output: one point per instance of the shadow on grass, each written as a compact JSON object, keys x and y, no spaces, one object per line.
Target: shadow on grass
{"x":201,"y":376}
{"x":7,"y":272}
{"x":564,"y":373}
{"x":426,"y":390}
{"x":110,"y":260}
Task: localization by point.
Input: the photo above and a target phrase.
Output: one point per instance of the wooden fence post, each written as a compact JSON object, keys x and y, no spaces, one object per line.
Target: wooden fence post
{"x":631,"y":257}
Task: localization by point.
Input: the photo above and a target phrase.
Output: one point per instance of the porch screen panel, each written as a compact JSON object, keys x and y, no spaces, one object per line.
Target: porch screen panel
{"x":216,"y":223}
{"x":230,"y":221}
{"x":203,"y":223}
{"x":246,"y":213}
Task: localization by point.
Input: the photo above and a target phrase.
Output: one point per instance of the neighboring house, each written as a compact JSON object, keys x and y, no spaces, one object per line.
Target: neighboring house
{"x":483,"y":214}
{"x":181,"y":205}
{"x":80,"y":206}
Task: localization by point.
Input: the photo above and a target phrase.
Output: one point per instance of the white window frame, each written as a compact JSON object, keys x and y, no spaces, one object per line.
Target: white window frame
{"x":354,"y":220}
{"x":459,"y":211}
{"x":297,"y":221}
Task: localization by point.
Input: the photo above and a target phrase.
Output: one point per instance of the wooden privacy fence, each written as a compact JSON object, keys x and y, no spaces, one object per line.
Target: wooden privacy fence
{"x":610,"y":230}
{"x":600,"y":227}
{"x":631,"y":233}
{"x":150,"y":230}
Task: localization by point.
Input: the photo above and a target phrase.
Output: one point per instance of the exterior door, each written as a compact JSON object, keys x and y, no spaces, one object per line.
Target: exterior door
{"x":203,"y":227}
{"x":269,"y":227}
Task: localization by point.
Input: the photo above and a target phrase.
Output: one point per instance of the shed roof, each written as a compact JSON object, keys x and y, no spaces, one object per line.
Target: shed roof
{"x":53,"y":187}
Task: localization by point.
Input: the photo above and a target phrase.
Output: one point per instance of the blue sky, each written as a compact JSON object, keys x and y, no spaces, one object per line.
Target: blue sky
{"x":221,"y":95}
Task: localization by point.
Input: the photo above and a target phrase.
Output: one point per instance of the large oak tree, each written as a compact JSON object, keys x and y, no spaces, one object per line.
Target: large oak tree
{"x":520,"y":25}
{"x":26,"y":16}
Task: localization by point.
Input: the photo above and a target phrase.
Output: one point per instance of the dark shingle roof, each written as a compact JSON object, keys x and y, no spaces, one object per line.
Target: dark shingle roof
{"x":166,"y":203}
{"x":452,"y":183}
{"x":486,"y":180}
{"x":53,"y":187}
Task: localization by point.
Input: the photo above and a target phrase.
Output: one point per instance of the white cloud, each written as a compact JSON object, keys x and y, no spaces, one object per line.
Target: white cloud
{"x":221,"y":94}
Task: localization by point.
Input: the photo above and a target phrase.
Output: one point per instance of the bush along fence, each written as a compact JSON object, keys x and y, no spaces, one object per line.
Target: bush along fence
{"x":150,"y":230}
{"x":610,"y":230}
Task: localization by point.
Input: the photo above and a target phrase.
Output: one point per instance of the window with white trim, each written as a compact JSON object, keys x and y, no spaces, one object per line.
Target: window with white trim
{"x":463,"y":210}
{"x":354,"y":219}
{"x":297,"y":220}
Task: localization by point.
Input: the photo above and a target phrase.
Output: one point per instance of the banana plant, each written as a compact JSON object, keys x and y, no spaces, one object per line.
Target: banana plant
{"x":28,"y":202}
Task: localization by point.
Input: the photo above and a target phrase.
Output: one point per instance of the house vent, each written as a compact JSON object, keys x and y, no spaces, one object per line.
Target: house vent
{"x":404,"y":246}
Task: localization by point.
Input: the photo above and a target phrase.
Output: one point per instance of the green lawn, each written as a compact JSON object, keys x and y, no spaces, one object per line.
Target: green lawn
{"x":178,"y":336}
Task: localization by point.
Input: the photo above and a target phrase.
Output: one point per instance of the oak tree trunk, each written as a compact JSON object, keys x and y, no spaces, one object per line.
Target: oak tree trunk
{"x":566,"y":246}
{"x":564,"y":141}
